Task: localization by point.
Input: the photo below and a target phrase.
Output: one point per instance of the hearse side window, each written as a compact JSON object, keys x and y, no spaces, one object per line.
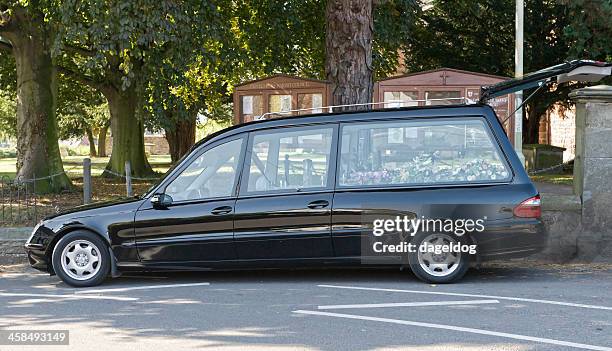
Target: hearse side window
{"x":210,"y":175}
{"x":419,"y":152}
{"x":291,"y":159}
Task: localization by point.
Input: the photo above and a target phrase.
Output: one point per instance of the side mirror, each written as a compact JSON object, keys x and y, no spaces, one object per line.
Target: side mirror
{"x":161,"y":200}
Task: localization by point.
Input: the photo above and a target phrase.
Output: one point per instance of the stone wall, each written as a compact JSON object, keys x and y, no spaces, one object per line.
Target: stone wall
{"x":593,"y":170}
{"x":571,"y":236}
{"x":11,"y":245}
{"x":558,"y":128}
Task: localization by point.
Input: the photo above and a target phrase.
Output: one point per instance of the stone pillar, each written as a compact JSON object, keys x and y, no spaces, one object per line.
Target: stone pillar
{"x":593,"y":170}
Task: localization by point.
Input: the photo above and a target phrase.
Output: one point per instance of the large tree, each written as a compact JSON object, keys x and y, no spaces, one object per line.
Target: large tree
{"x":27,"y":33}
{"x":348,"y":44}
{"x":121,"y":47}
{"x":192,"y":77}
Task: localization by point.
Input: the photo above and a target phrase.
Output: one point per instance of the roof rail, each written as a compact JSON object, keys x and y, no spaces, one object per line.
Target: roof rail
{"x":331,"y":108}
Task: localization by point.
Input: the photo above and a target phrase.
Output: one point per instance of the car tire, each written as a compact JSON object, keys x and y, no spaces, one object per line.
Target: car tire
{"x":442,"y":268}
{"x":81,"y":259}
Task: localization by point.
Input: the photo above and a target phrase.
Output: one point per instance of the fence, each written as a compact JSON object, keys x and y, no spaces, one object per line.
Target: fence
{"x":21,"y":204}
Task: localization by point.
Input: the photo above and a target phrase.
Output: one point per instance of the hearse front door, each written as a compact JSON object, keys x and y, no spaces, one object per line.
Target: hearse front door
{"x":193,"y":219}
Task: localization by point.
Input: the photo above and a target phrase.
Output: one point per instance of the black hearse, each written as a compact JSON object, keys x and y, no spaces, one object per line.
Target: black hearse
{"x":304,"y":191}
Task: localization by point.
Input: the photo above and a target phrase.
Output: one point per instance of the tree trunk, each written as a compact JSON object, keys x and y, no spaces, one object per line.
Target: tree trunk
{"x":38,"y":154}
{"x":102,"y":140}
{"x":531,"y":122}
{"x":92,"y":143}
{"x":181,"y":138}
{"x":348,"y":56}
{"x":128,"y":134}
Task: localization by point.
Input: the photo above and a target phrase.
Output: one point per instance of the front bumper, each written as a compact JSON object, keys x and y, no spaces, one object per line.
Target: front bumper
{"x":37,"y":258}
{"x":37,"y":246}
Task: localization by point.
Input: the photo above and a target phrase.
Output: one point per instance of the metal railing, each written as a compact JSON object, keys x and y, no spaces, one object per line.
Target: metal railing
{"x":21,"y":204}
{"x":331,"y":108}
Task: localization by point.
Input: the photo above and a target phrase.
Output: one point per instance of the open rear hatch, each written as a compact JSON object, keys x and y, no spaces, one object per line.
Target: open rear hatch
{"x":577,"y":70}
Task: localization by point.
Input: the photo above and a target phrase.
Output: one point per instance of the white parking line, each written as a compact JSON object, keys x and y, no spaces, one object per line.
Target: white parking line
{"x":461,"y":329}
{"x":550,"y":302}
{"x":407,"y":304}
{"x":70,"y":296}
{"x":143,"y":287}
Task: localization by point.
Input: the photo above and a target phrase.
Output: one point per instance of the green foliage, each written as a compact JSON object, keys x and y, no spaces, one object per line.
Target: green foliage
{"x":210,"y":126}
{"x":8,"y":153}
{"x":80,"y":108}
{"x":280,"y":36}
{"x":194,"y":73}
{"x":590,"y":29}
{"x":470,"y":35}
{"x":394,"y":24}
{"x":479,"y":36}
{"x":115,"y":36}
{"x":8,"y":115}
{"x":8,"y":96}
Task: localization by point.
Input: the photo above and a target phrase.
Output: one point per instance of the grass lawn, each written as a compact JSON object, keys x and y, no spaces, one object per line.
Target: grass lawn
{"x":565,"y":179}
{"x":18,"y":210}
{"x":73,"y":165}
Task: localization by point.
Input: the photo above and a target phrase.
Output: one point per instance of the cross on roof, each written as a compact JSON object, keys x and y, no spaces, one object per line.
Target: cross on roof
{"x":444,"y":75}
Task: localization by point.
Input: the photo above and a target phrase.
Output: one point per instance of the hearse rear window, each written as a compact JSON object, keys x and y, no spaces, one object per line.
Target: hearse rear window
{"x":420,"y":152}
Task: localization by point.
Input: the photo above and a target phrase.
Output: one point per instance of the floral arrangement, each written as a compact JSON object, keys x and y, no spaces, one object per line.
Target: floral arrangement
{"x":428,"y":168}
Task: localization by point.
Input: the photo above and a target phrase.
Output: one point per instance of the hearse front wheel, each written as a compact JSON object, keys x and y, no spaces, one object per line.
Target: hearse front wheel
{"x":438,"y":267}
{"x":81,"y":259}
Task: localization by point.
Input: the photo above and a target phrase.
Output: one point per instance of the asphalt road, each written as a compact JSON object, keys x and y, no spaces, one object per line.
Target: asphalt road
{"x":499,"y":308}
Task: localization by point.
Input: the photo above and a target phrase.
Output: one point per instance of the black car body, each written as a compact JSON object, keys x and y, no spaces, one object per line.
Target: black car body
{"x":298,"y":220}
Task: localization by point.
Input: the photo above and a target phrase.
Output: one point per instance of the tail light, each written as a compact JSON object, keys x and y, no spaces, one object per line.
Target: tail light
{"x":529,"y":208}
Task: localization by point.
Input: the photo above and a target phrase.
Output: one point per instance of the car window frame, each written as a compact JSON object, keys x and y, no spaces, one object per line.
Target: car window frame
{"x":331,"y":167}
{"x":197,"y":153}
{"x":488,"y":129}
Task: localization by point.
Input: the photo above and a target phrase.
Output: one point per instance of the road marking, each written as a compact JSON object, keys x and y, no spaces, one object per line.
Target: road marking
{"x":70,"y":296}
{"x":407,"y":304}
{"x":456,"y":328}
{"x":144,"y":287}
{"x":550,"y":302}
{"x":16,"y":275}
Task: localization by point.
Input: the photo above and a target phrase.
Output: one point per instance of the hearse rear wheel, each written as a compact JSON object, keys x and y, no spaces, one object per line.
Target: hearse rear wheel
{"x":439,"y":268}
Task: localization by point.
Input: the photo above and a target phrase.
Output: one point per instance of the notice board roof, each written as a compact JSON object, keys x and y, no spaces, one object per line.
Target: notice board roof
{"x":281,"y":81}
{"x":444,"y":76}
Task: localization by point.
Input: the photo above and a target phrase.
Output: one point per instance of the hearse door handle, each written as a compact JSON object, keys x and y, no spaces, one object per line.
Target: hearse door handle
{"x":318,"y":204}
{"x":221,"y":210}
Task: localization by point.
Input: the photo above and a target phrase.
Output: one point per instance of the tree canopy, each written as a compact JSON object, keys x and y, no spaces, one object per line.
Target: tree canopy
{"x":479,"y":36}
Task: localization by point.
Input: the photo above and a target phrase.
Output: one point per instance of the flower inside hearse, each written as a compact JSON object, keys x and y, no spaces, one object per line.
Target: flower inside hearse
{"x":430,"y":168}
